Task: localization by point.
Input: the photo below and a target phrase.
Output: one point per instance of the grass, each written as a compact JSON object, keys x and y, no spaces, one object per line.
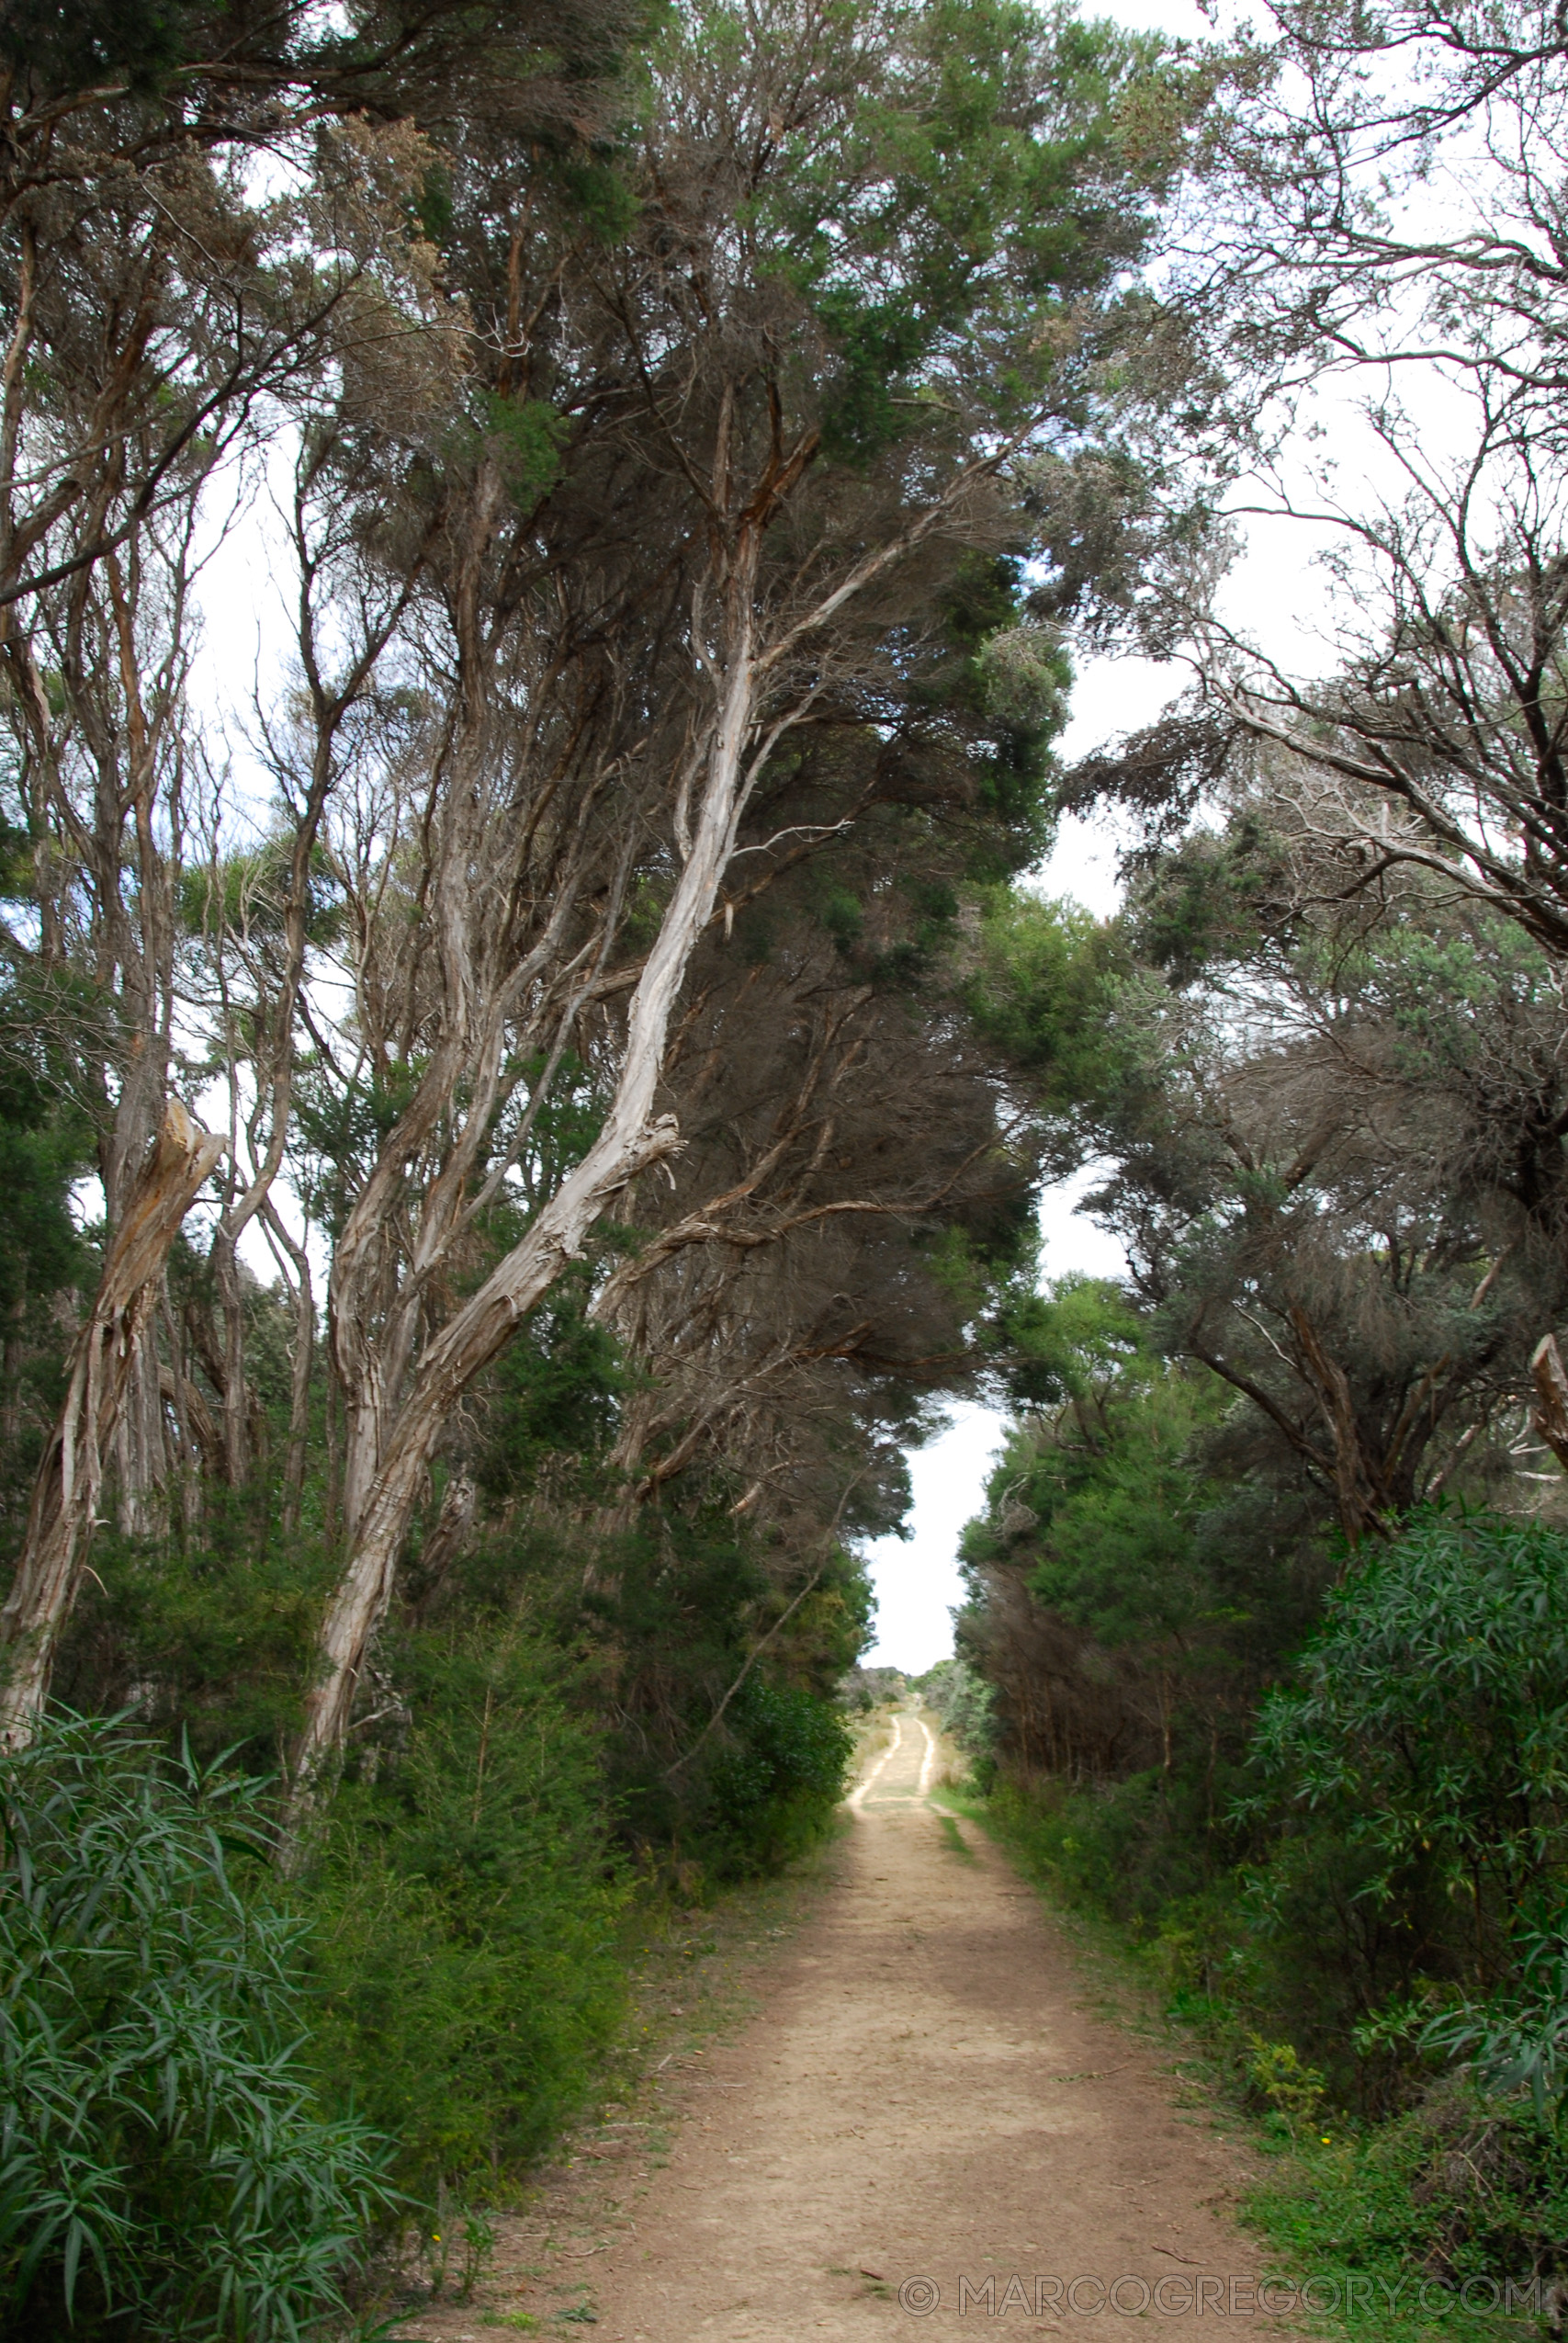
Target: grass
{"x":955,"y":1841}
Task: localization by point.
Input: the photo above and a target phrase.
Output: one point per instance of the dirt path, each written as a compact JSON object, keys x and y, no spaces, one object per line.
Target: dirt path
{"x":922,"y":2107}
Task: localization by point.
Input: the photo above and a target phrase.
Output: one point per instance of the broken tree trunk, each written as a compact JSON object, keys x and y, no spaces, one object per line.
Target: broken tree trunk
{"x":1551,"y":1417}
{"x":70,"y":1477}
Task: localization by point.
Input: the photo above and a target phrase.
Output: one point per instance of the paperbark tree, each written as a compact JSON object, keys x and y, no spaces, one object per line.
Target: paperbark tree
{"x":108,"y":1350}
{"x":158,"y":310}
{"x":1341,"y":1193}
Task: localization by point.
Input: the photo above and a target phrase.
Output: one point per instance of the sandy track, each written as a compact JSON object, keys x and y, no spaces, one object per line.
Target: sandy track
{"x":924,"y":2105}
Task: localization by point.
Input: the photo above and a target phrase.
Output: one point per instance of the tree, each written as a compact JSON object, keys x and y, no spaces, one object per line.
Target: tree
{"x":1098,"y":1607}
{"x":1351,"y":1214}
{"x":1338,"y":281}
{"x":812,"y":430}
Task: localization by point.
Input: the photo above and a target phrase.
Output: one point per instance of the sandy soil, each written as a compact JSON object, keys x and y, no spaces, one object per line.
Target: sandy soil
{"x":922,"y":2106}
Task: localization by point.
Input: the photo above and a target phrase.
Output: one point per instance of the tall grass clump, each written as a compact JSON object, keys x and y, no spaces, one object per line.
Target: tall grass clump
{"x":165,"y":2169}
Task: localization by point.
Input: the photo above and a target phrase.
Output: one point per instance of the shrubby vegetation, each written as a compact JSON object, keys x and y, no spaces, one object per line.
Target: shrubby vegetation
{"x":169,"y":2163}
{"x":1263,"y":1654}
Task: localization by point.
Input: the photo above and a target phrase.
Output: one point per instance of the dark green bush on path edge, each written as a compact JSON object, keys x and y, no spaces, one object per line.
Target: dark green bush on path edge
{"x":465,"y":1959}
{"x":166,"y":2168}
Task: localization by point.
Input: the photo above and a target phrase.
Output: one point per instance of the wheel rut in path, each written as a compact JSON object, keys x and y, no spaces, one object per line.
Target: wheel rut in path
{"x":924,"y":2099}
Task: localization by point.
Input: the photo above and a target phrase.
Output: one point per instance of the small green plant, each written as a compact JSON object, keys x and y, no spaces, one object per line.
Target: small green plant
{"x":464,"y":1955}
{"x":463,"y":2232}
{"x":478,"y":2245}
{"x":1293,"y":2091}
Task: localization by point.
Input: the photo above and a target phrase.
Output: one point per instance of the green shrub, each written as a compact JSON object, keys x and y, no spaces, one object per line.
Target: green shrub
{"x":163,"y":2167}
{"x":1429,"y":1705}
{"x":777,"y":1783}
{"x":1459,"y":2189}
{"x":1427,"y":1725}
{"x":466,"y":1904}
{"x":208,"y":1631}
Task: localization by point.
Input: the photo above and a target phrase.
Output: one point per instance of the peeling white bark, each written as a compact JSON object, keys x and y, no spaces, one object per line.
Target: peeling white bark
{"x":631,"y":1139}
{"x":70,"y":1477}
{"x":397,"y":1423}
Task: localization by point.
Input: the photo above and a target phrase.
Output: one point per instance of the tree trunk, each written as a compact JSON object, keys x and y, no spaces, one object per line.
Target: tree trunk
{"x":299,"y":1392}
{"x":70,"y":1477}
{"x":232,"y":1391}
{"x":1363,"y":1498}
{"x":631,"y":1140}
{"x":1550,"y":1417}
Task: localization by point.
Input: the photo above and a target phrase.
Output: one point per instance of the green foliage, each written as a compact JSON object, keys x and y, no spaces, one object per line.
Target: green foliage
{"x":1076,"y":1342}
{"x":1290,"y":2086}
{"x":209,"y":1630}
{"x":966,"y":1705}
{"x":781,"y":1773}
{"x":553,"y":1394}
{"x":528,"y":435}
{"x":1516,"y":2038}
{"x":464,"y":1902}
{"x":1200,"y":908}
{"x":1432,"y":1704}
{"x":977,"y":184}
{"x":246,"y":894}
{"x":46,"y":1143}
{"x":1122,"y":1554}
{"x":164,"y":2168}
{"x":40,"y":1250}
{"x":597,"y":193}
{"x":138,"y":43}
{"x":1007,"y":678}
{"x":1429,"y":1722}
{"x":1457,"y":2187}
{"x":1127,"y":1850}
{"x":1398,"y":2221}
{"x":1102,"y":1508}
{"x":1040,"y":994}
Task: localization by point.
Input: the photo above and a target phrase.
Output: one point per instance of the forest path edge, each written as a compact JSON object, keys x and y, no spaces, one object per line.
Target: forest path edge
{"x":922,"y":2126}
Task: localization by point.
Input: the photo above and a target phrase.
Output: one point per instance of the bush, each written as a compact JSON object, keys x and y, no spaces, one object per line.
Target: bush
{"x":163,"y":2167}
{"x":1457,"y":2189}
{"x":1429,"y":1707}
{"x":966,"y":1705}
{"x":777,"y":1783}
{"x":466,"y":1904}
